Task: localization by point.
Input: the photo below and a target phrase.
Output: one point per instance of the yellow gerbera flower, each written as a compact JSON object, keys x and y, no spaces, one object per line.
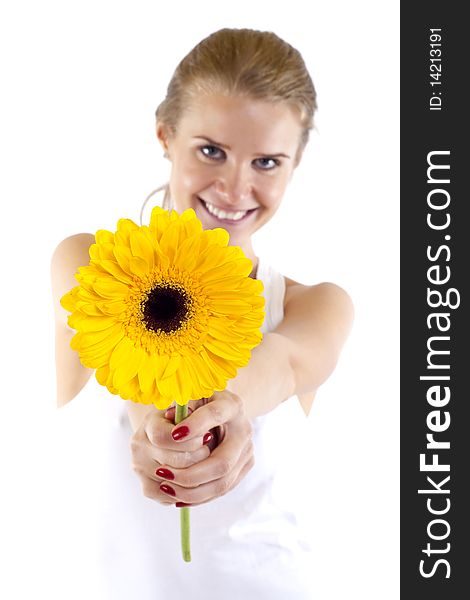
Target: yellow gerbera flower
{"x":165,"y":312}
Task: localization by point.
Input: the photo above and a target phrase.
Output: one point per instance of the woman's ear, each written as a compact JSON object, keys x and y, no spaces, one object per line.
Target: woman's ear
{"x":163,"y":137}
{"x":298,"y":157}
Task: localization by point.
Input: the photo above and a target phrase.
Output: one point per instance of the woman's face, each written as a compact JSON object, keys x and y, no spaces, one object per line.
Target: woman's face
{"x":232,"y":158}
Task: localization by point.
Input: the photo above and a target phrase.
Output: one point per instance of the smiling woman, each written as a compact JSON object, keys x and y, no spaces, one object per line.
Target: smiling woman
{"x":234,"y":124}
{"x":238,"y":181}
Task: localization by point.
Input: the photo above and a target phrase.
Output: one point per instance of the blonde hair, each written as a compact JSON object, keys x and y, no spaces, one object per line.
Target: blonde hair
{"x":241,"y":62}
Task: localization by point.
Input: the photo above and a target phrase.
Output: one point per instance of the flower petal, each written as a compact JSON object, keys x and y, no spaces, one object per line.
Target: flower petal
{"x":112,"y":267}
{"x":127,"y":370}
{"x":147,"y":372}
{"x":123,"y":256}
{"x":169,"y":240}
{"x":172,"y":366}
{"x":139,"y":266}
{"x":93,"y":324}
{"x":185,"y":385}
{"x":159,"y":221}
{"x":116,"y":308}
{"x":110,"y":288}
{"x":103,"y":236}
{"x":122,"y":235}
{"x":130,"y":389}
{"x":121,"y":353}
{"x":168,"y":388}
{"x":217,"y":364}
{"x":222,"y":349}
{"x":142,"y":248}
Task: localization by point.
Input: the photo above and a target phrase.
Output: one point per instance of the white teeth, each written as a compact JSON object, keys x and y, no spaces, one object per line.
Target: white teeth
{"x":223,"y":214}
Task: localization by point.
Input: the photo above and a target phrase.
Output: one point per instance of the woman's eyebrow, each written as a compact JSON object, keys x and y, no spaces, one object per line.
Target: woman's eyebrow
{"x":225,"y":147}
{"x":212,"y":142}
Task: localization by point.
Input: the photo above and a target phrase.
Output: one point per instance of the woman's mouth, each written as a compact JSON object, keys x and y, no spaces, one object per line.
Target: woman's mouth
{"x":225,"y":216}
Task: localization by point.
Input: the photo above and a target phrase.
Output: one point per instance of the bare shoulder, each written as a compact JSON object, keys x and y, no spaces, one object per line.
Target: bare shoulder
{"x":317,"y":320}
{"x":321,"y":297}
{"x":70,"y":254}
{"x":73,"y":249}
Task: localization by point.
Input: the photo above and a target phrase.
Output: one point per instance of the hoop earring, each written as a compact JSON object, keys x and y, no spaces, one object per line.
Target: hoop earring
{"x":166,"y":198}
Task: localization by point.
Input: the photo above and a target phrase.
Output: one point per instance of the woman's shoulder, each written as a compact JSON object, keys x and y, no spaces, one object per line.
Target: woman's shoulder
{"x":318,"y":293}
{"x":317,"y":319}
{"x":324,"y":308}
{"x":73,"y":245}
{"x":70,"y":254}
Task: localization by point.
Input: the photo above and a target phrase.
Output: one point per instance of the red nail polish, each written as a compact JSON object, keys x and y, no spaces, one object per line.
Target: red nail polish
{"x":165,"y":473}
{"x":207,"y":438}
{"x":181,"y":504}
{"x":167,"y":489}
{"x":180,"y":433}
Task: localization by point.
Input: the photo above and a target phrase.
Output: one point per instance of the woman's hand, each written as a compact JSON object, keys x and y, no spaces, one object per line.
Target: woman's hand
{"x":199,"y":459}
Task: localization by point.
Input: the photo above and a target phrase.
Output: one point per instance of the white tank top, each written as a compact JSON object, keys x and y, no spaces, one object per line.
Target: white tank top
{"x":246,"y":544}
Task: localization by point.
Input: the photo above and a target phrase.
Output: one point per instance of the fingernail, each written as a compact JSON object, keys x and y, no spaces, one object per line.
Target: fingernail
{"x":167,"y":489}
{"x":181,"y":504}
{"x":180,"y":433}
{"x":207,"y":438}
{"x":165,"y":473}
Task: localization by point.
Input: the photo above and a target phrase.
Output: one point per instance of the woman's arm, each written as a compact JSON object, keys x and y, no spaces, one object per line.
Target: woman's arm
{"x":296,"y":358}
{"x":70,"y":254}
{"x":301,"y":353}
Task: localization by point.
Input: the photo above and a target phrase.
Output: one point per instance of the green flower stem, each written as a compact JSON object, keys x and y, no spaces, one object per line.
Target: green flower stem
{"x":181,"y":414}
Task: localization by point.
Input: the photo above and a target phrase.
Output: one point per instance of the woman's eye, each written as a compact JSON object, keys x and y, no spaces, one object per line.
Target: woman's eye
{"x":266,"y":163}
{"x":212,"y":152}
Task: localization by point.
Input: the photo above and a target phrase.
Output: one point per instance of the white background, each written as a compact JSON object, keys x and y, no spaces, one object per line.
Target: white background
{"x":80,"y":85}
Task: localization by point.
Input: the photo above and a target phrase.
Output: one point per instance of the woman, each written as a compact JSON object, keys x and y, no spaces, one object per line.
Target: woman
{"x":234,"y":124}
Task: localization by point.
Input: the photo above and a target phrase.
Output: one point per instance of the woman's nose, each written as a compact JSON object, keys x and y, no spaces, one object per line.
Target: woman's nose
{"x":234,"y":186}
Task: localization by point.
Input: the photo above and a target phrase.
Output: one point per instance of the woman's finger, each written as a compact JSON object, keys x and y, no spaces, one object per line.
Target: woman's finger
{"x":219,"y":472}
{"x":221,"y":462}
{"x":222,"y":408}
{"x":146,"y":458}
{"x":178,"y":460}
{"x":208,"y":491}
{"x":151,"y":489}
{"x":158,"y":430}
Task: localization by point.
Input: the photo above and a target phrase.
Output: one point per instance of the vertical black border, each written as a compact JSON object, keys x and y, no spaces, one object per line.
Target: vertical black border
{"x":423,"y":131}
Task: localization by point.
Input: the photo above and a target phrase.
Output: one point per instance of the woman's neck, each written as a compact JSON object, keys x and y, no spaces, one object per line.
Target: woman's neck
{"x":250,"y":253}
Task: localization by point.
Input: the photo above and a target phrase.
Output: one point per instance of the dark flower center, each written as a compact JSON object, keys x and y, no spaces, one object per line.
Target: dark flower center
{"x":165,"y":308}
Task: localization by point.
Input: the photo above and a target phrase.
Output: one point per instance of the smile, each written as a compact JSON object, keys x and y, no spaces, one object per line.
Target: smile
{"x":225,"y":215}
